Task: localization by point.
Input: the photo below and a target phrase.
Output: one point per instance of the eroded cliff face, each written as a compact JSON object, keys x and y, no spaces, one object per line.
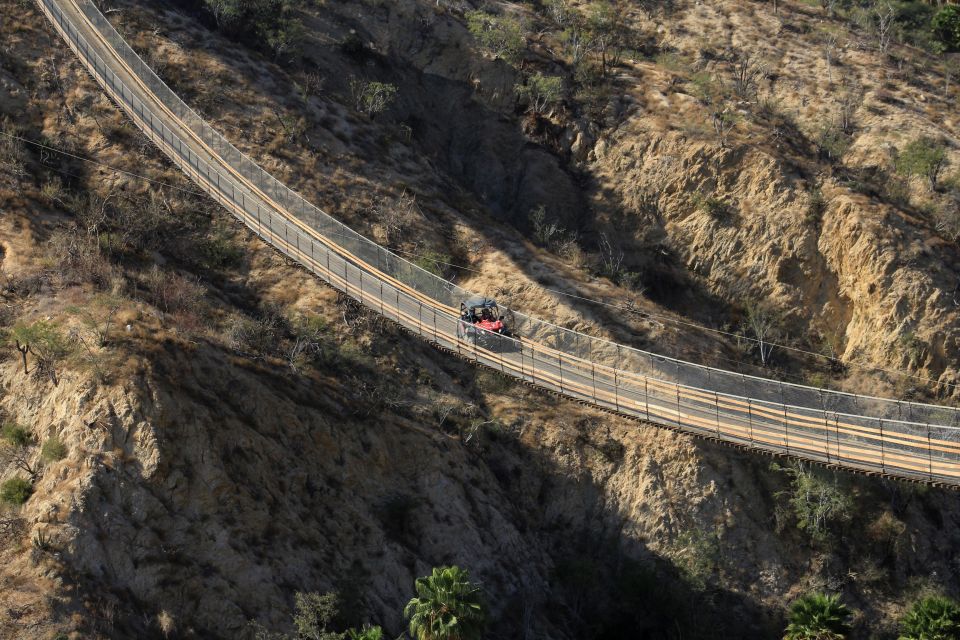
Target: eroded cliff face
{"x":860,"y":274}
{"x":850,"y":252}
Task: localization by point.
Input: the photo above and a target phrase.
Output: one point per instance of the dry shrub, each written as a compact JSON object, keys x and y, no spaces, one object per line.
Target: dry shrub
{"x":395,"y":217}
{"x":947,"y":219}
{"x":177,"y":296}
{"x":167,"y":623}
{"x":886,"y":533}
{"x":171,"y":292}
{"x":25,"y":284}
{"x":12,"y":527}
{"x":258,"y":337}
{"x":77,"y":259}
{"x":12,"y":158}
{"x":123,"y":224}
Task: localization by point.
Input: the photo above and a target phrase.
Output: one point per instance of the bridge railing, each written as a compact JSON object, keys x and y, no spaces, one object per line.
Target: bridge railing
{"x":901,"y":438}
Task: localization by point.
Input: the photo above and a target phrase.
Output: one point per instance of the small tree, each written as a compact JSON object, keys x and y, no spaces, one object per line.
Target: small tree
{"x":544,"y":231}
{"x":606,"y":30}
{"x":886,"y":17}
{"x":501,"y":35}
{"x":44,"y":341}
{"x":923,"y":157}
{"x":816,"y":501}
{"x":947,"y":220}
{"x":817,"y":616}
{"x":831,"y":142}
{"x":447,"y":607}
{"x":576,"y":40}
{"x":946,"y":24}
{"x":99,"y":315}
{"x":847,"y":110}
{"x":172,"y":292}
{"x":313,"y":615}
{"x":723,"y":123}
{"x":559,"y":11}
{"x":371,"y":97}
{"x":932,"y":618}
{"x":225,"y":12}
{"x":540,"y":91}
{"x":763,"y":322}
{"x":16,"y":449}
{"x":13,"y":156}
{"x":829,"y":51}
{"x":285,"y":38}
{"x":396,"y":216}
{"x":20,"y":338}
{"x":746,"y":76}
{"x":611,"y":258}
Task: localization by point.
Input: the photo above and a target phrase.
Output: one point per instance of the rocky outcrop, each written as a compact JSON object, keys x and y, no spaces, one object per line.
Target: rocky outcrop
{"x":858,"y":270}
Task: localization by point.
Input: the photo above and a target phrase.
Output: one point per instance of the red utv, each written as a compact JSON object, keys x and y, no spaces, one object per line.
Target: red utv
{"x":481,"y":322}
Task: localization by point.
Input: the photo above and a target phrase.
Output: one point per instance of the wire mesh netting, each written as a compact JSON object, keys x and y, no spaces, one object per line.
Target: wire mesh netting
{"x":904,"y":438}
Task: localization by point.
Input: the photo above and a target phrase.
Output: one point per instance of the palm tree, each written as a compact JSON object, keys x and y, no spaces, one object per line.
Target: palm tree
{"x":447,"y":607}
{"x":366,"y":633}
{"x":933,"y":618}
{"x":817,"y":616}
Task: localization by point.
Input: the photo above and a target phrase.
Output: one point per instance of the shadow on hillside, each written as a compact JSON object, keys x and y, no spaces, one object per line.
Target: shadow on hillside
{"x":605,"y":582}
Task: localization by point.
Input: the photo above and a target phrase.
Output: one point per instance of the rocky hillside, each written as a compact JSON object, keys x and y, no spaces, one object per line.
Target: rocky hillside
{"x":203,"y":429}
{"x":617,"y":184}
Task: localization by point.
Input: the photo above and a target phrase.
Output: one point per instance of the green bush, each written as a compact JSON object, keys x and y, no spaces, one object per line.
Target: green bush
{"x":705,"y":88}
{"x":923,"y":157}
{"x":540,"y":91}
{"x":501,"y":35}
{"x":698,"y":556}
{"x":673,"y":62}
{"x":831,"y":142}
{"x":946,"y":24}
{"x":255,"y":336}
{"x":371,"y":97}
{"x":817,"y":616}
{"x":43,"y":340}
{"x":263,"y":24}
{"x":220,"y":250}
{"x":16,"y":435}
{"x":314,"y":613}
{"x":817,"y":503}
{"x":716,"y":208}
{"x":15,"y":491}
{"x":913,"y":349}
{"x":547,"y":232}
{"x":932,"y":618}
{"x":433,"y":261}
{"x":913,"y":23}
{"x":53,"y":450}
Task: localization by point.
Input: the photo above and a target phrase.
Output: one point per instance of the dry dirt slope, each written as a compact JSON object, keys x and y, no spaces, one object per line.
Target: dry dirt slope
{"x":205,"y":481}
